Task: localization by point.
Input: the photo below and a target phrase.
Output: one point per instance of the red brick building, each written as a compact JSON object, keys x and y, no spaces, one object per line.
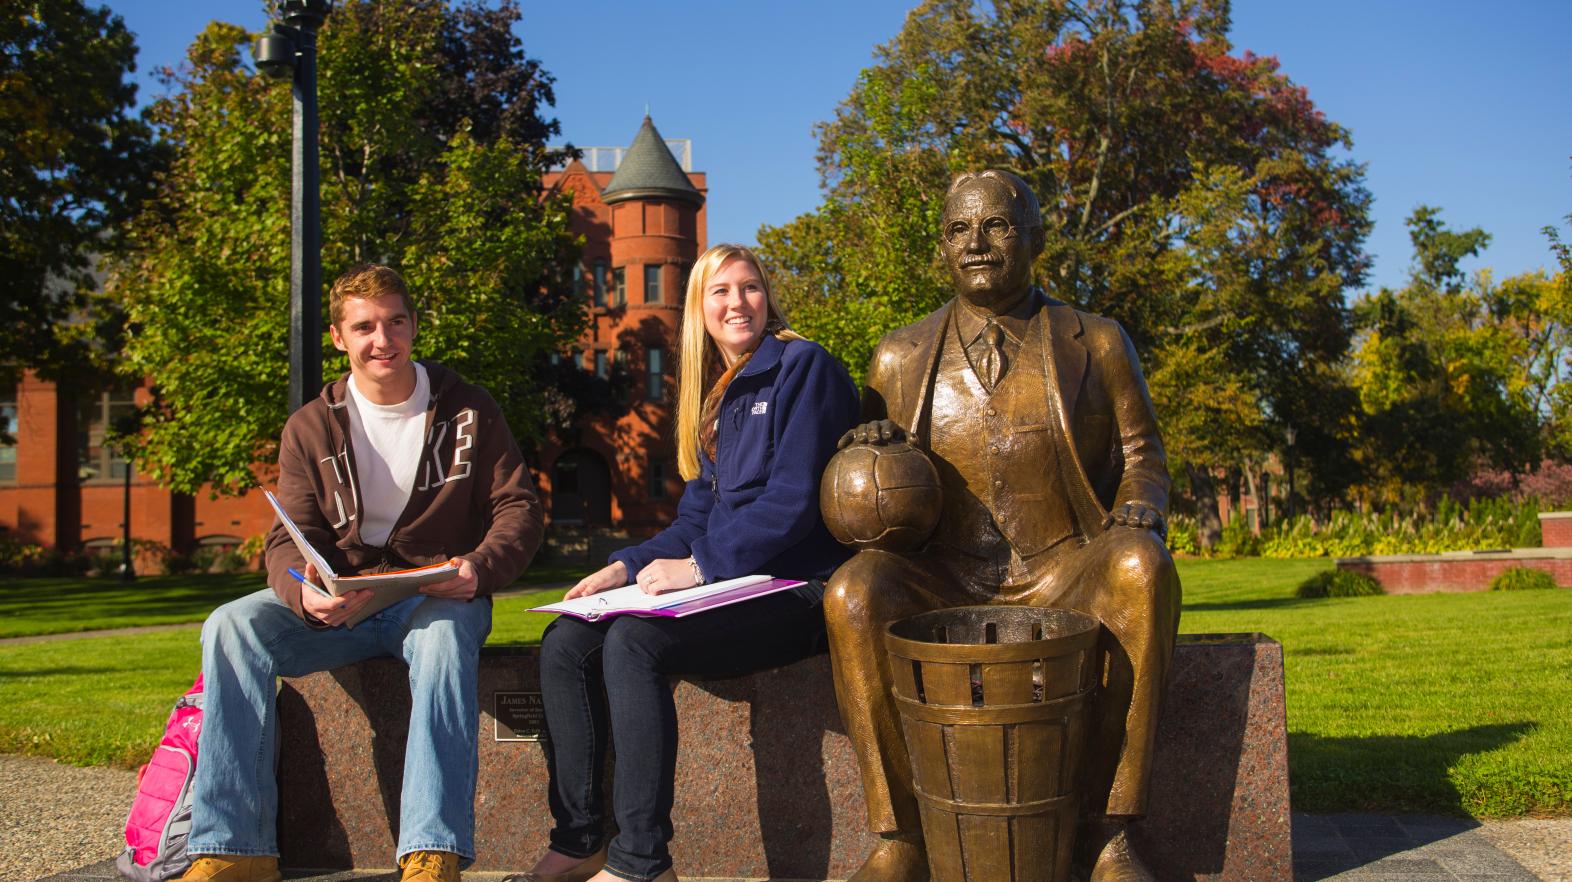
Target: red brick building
{"x":643,"y":226}
{"x":63,"y":487}
{"x":641,"y":214}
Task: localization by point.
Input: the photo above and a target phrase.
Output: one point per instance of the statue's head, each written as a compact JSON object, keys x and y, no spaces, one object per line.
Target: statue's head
{"x":992,"y":230}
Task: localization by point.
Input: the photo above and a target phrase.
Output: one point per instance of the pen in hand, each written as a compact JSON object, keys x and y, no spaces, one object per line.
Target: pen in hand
{"x":301,"y":578}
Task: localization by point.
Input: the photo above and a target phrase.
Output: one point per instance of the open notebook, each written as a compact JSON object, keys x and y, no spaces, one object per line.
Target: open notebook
{"x":387,"y":588}
{"x":630,"y":600}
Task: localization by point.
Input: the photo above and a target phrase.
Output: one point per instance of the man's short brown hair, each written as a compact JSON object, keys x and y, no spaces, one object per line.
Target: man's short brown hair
{"x":367,"y":281}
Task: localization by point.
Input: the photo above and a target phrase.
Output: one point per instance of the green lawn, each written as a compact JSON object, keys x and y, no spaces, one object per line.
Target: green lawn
{"x":95,"y":700}
{"x":62,"y":605}
{"x":103,"y":700}
{"x":1453,"y":704}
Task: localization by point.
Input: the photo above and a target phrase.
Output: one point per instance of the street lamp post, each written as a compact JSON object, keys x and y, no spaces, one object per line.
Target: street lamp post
{"x":1290,"y":434}
{"x":291,"y":48}
{"x":127,"y":571}
{"x":124,"y":428}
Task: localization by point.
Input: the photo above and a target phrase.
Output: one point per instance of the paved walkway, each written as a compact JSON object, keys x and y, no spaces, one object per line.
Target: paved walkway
{"x":1418,"y":848}
{"x":102,"y":632}
{"x":1346,"y":848}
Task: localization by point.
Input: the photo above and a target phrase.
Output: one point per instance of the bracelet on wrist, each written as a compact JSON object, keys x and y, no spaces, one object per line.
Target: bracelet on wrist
{"x":698,"y":574}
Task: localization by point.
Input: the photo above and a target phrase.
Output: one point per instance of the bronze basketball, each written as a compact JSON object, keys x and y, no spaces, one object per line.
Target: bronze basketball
{"x":884,"y":497}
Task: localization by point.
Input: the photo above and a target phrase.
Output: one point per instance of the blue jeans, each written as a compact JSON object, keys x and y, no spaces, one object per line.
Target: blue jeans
{"x":608,"y":679}
{"x":249,"y":642}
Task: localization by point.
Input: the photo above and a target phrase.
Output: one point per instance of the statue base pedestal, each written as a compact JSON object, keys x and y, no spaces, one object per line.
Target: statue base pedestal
{"x":767,"y":786}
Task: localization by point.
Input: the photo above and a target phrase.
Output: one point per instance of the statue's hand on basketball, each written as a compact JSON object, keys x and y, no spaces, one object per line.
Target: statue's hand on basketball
{"x":880,"y":495}
{"x":1140,"y":516}
{"x":876,"y":432}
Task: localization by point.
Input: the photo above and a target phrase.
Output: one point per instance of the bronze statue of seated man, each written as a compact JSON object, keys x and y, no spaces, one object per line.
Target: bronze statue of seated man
{"x":1053,"y":479}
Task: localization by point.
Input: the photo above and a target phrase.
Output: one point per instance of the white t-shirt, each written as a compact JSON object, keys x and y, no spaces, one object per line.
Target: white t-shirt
{"x":388,"y":440}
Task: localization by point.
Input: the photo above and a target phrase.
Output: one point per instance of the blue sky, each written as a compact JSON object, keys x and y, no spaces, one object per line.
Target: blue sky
{"x":1466,"y":106}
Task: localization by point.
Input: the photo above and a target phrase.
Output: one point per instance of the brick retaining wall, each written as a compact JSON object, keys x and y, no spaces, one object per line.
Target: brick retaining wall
{"x":1457,"y":571}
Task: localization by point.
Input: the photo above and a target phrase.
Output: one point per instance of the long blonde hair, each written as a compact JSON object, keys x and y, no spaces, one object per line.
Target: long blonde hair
{"x":699,"y":362}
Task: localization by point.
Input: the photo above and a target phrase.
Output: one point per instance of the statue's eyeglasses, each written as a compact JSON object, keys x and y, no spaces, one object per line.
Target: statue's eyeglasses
{"x":997,"y":229}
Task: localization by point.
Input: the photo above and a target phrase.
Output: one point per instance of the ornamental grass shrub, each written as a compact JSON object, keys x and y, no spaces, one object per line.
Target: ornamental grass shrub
{"x":1453,"y":526}
{"x":1338,"y":582}
{"x":1522,"y":579}
{"x":21,"y":558}
{"x":1182,"y":538}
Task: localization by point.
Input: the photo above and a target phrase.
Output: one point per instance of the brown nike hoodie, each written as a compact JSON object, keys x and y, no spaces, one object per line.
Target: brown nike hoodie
{"x":473,"y":497}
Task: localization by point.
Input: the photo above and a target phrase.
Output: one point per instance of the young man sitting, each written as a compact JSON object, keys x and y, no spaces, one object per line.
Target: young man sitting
{"x":397,"y":464}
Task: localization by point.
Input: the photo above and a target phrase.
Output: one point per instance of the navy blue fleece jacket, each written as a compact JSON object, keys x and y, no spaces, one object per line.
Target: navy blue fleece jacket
{"x":758,"y":510}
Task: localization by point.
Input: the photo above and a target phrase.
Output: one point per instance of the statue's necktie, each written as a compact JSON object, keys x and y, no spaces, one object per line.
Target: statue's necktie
{"x":987,"y":353}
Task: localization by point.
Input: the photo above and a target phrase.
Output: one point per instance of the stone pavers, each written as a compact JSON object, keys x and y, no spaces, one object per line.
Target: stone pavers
{"x":1404,"y":848}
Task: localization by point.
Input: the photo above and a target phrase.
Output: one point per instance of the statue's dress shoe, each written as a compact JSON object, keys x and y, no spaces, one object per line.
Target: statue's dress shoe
{"x":894,"y":860}
{"x":1117,"y":862}
{"x":580,"y":873}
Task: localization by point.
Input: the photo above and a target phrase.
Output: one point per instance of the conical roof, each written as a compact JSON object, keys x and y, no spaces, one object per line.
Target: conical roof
{"x":649,"y":171}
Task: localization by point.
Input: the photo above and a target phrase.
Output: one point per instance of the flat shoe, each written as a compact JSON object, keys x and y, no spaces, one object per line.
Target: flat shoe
{"x":580,"y":873}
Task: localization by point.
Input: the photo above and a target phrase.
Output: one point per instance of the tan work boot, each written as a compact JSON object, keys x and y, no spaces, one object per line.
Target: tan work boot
{"x":233,"y":868}
{"x":430,"y":866}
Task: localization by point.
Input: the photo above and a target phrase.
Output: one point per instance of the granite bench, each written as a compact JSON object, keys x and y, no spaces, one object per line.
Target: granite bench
{"x":767,"y":785}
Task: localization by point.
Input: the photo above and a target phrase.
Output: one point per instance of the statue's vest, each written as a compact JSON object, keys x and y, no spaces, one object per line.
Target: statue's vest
{"x":997,"y":455}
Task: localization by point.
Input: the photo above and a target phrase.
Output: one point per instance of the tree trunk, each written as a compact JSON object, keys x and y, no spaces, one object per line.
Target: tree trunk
{"x":1208,"y":524}
{"x":1255,"y":497}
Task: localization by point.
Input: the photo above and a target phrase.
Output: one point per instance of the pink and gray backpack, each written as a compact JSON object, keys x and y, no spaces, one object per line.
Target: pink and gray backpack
{"x":160,"y":820}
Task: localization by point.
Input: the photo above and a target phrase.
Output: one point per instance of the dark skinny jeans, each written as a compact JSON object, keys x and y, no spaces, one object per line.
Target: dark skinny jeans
{"x":611,"y":677}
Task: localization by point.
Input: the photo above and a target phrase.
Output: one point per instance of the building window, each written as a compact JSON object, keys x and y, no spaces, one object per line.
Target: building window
{"x":600,"y":283}
{"x":652,"y":283}
{"x":576,"y":358}
{"x":619,"y":286}
{"x":619,"y":367}
{"x":578,"y":280}
{"x":8,"y":429}
{"x":654,"y":374}
{"x":657,"y":479}
{"x":565,"y":477}
{"x":602,"y":365}
{"x":97,"y":460}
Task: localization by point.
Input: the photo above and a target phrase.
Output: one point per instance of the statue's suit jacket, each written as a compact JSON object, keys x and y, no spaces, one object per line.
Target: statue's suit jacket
{"x":1097,"y":399}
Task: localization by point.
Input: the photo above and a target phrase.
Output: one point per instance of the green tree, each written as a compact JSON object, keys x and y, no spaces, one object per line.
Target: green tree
{"x":1457,"y":372}
{"x":1197,"y":196}
{"x":1559,"y":361}
{"x":432,"y":144}
{"x":73,"y":164}
{"x":1258,"y":324}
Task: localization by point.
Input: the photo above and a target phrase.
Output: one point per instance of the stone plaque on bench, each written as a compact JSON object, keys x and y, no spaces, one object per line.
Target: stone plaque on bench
{"x":766,"y":782}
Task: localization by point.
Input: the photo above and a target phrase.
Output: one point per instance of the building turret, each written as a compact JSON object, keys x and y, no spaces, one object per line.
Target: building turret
{"x":649,"y":171}
{"x":654,"y":219}
{"x":642,"y":216}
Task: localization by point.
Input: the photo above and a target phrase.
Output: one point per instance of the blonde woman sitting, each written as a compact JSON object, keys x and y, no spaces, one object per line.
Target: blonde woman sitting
{"x":759,"y":411}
